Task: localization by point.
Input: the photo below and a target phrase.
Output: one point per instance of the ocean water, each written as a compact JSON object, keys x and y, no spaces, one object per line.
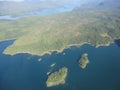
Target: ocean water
{"x":25,"y":72}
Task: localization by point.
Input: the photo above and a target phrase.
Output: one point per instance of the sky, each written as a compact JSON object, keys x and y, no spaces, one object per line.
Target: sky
{"x":13,"y":0}
{"x":43,"y":0}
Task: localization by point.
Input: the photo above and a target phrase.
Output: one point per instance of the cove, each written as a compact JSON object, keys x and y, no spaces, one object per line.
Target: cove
{"x":25,"y":72}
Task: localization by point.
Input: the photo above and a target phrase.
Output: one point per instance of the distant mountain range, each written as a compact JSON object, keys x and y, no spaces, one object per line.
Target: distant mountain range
{"x":20,"y":7}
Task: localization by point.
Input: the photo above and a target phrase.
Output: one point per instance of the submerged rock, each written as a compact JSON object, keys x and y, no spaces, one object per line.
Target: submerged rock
{"x":64,"y":53}
{"x":40,"y":59}
{"x":52,"y":65}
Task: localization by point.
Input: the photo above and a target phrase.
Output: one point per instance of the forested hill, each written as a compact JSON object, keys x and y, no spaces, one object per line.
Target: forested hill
{"x":42,"y":34}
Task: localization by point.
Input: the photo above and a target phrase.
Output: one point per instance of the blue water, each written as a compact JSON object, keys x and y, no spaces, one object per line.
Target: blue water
{"x":25,"y":72}
{"x":8,"y":17}
{"x":66,"y":8}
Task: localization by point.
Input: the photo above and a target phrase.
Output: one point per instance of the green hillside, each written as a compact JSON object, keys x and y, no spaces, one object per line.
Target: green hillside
{"x":42,"y":34}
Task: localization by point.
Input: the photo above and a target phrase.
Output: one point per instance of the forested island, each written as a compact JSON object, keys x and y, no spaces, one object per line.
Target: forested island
{"x":57,"y":77}
{"x":84,"y":60}
{"x":38,"y":35}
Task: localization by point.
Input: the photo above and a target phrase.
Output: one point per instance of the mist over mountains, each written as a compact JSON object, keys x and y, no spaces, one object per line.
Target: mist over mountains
{"x":15,"y":7}
{"x":13,"y":0}
{"x":84,"y":2}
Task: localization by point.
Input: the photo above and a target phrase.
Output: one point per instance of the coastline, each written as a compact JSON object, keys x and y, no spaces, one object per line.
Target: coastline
{"x":51,"y":51}
{"x":62,"y":81}
{"x":51,"y":84}
{"x":1,"y":41}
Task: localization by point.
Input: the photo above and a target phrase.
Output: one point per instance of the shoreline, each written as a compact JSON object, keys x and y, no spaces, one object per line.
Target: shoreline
{"x":57,"y":51}
{"x":1,"y":41}
{"x":62,"y":81}
{"x":51,"y":84}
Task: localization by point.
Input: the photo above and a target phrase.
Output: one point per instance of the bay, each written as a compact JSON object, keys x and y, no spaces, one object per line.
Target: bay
{"x":25,"y":72}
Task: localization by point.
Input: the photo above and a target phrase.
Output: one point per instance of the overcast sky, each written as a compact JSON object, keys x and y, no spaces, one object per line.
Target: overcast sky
{"x":55,"y":0}
{"x":13,"y":0}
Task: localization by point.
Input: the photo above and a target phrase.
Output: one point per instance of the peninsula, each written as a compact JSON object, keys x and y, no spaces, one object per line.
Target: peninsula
{"x":57,"y":77}
{"x":38,"y":35}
